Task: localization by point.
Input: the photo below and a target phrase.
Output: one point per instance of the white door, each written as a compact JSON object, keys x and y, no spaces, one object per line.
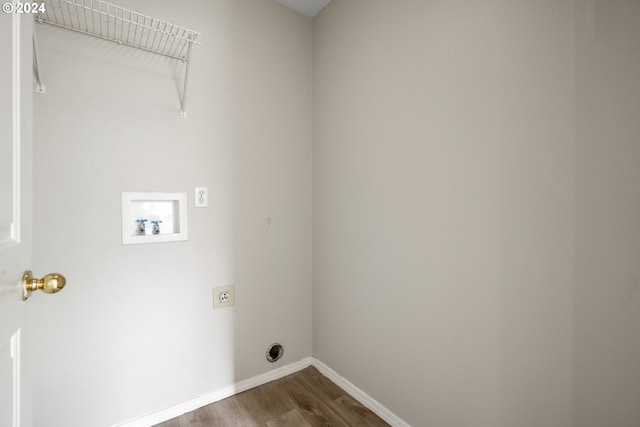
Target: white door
{"x":16,"y":104}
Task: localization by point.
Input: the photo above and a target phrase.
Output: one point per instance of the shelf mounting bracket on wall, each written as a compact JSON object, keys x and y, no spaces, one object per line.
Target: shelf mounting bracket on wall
{"x":114,"y":23}
{"x":40,"y":87}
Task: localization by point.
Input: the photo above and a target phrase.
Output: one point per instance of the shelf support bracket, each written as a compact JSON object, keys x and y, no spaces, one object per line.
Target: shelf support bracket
{"x":183,"y":103}
{"x":40,"y":87}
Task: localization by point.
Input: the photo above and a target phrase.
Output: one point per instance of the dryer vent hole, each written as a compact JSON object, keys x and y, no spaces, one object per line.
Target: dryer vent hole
{"x":274,"y":352}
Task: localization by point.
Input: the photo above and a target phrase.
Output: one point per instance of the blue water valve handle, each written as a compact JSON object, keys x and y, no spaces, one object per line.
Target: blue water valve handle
{"x":141,"y":228}
{"x":156,"y":227}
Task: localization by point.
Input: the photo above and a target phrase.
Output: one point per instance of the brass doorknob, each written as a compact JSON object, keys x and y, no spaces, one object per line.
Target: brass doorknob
{"x":50,"y":284}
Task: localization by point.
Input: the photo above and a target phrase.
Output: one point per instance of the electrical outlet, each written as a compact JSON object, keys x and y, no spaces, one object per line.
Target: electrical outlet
{"x":202,"y":197}
{"x":224,"y":296}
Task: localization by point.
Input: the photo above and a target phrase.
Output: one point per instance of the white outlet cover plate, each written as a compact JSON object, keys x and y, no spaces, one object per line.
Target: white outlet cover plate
{"x":224,"y":296}
{"x":202,"y":197}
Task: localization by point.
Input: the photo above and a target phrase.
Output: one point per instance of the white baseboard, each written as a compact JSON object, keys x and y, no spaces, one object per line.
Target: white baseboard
{"x":216,"y":395}
{"x":362,"y":397}
{"x":222,"y":393}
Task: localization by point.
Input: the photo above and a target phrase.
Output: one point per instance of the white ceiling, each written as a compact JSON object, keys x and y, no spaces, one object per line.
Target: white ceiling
{"x":307,"y":7}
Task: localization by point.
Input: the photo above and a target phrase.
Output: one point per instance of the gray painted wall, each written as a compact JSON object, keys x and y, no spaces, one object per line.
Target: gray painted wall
{"x":475,"y":210}
{"x":607,"y":198}
{"x":134,"y":330}
{"x":476,"y":206}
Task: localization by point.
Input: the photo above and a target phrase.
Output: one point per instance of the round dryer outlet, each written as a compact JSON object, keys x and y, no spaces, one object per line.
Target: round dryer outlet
{"x":274,"y":352}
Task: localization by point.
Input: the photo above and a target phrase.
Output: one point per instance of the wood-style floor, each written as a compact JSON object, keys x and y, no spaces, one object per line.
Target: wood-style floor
{"x":304,"y":399}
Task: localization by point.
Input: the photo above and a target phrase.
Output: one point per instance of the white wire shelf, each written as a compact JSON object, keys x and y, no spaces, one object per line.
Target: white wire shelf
{"x":111,"y":22}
